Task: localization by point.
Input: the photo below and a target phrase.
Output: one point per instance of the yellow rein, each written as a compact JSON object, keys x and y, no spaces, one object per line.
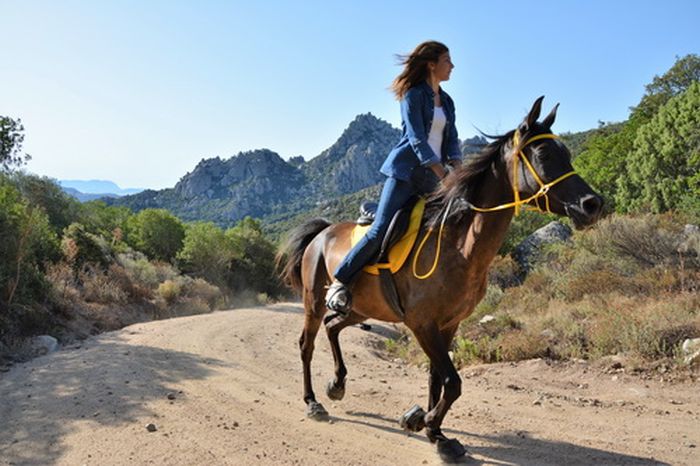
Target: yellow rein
{"x":516,"y":204}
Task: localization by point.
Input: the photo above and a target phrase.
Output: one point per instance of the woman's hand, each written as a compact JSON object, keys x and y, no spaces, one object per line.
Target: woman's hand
{"x":439,"y":170}
{"x":454,"y":163}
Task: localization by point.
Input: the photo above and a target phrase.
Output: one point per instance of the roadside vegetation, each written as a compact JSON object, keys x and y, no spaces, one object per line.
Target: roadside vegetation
{"x":71,"y":270}
{"x":630,"y":286}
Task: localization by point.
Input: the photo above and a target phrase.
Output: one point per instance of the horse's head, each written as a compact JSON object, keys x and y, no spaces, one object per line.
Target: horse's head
{"x":540,"y":171}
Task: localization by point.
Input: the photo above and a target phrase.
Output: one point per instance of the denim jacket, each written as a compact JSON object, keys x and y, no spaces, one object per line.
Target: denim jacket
{"x":412,"y":150}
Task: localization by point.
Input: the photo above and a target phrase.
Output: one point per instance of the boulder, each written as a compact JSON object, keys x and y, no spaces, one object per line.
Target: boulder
{"x":690,"y":240}
{"x":527,"y":253}
{"x":691,"y":351}
{"x":44,"y":344}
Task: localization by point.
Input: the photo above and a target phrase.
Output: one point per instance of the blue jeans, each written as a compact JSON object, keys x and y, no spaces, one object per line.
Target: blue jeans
{"x":394,"y":196}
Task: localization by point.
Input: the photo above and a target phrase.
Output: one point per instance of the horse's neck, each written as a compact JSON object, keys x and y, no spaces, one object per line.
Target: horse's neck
{"x":487,"y":230}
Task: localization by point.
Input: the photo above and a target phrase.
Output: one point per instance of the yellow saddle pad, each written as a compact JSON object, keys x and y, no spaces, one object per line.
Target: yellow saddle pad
{"x":399,"y":252}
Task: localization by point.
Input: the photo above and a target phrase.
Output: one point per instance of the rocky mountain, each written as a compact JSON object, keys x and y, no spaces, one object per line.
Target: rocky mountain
{"x":352,"y":162}
{"x":225,"y":191}
{"x":260,"y":183}
{"x":473,"y":145}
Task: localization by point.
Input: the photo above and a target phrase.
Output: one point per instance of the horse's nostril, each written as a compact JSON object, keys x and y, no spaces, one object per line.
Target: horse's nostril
{"x":591,"y":204}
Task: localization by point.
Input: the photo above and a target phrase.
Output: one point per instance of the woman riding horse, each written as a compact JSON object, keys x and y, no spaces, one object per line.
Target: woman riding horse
{"x":428,"y":141}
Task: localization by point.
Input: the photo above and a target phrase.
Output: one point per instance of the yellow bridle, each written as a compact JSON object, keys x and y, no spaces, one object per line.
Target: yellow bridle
{"x":516,"y":203}
{"x":544,"y":187}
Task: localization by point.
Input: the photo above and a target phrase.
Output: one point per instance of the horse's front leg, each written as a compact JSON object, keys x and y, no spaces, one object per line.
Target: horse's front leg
{"x":334,"y":324}
{"x":435,"y":380}
{"x":436,"y":346}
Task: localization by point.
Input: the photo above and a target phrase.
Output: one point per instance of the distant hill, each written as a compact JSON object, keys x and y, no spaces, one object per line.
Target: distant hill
{"x":88,"y":190}
{"x":84,"y":197}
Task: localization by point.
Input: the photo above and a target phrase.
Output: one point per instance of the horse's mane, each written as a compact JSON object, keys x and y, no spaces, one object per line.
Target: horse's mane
{"x":462,"y":183}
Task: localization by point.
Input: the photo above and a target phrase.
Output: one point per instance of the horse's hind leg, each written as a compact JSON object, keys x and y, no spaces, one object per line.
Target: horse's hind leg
{"x":334,"y":324}
{"x":312,"y":321}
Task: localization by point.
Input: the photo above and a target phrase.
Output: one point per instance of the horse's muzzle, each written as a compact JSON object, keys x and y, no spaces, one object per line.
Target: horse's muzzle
{"x":586,"y":212}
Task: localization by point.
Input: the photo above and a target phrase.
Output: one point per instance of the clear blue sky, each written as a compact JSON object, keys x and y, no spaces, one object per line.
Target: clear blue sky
{"x":138,"y":92}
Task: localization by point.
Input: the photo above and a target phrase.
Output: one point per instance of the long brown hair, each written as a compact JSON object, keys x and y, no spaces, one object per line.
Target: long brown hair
{"x":416,"y":66}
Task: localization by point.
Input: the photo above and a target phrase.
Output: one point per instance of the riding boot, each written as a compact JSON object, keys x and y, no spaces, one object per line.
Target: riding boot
{"x":339,"y":298}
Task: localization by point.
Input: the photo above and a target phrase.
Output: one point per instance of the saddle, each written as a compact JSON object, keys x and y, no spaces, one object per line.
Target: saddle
{"x":396,"y":246}
{"x":397,"y":227}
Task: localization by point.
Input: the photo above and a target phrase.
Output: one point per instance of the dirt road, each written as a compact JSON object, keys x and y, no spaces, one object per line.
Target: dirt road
{"x":225,"y":388}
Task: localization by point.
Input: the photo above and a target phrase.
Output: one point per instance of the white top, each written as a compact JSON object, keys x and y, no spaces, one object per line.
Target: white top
{"x":436,"y":130}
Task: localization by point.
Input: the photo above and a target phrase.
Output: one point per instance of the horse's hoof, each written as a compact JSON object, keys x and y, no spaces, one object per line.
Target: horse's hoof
{"x":335,"y":392}
{"x":450,"y":450}
{"x":316,"y":411}
{"x":413,"y":420}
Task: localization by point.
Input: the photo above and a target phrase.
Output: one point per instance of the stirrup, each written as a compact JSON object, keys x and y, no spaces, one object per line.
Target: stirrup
{"x":338,"y":298}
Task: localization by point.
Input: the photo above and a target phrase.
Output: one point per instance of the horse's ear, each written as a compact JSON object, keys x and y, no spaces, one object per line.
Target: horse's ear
{"x":549,"y":119}
{"x":534,"y":113}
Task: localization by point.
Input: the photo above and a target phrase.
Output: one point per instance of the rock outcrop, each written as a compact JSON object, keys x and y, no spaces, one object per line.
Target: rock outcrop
{"x":527,"y":253}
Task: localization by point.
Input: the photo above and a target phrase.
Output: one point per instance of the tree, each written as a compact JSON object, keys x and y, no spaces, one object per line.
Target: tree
{"x":108,"y":221}
{"x":603,"y":163}
{"x":675,"y":81}
{"x":253,"y":260}
{"x":26,"y":243}
{"x":206,"y":252}
{"x":156,"y":232}
{"x":664,"y":167}
{"x":11,"y":139}
{"x":81,"y":247}
{"x":45,"y":193}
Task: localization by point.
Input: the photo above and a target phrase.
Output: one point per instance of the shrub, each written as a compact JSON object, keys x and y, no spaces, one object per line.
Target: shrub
{"x":203,"y":291}
{"x":504,"y":272}
{"x":81,"y":248}
{"x":64,"y":286}
{"x":99,"y":286}
{"x":169,"y":290}
{"x":139,"y":269}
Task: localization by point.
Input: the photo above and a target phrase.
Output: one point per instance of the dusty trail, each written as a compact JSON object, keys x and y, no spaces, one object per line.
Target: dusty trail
{"x":225,"y":388}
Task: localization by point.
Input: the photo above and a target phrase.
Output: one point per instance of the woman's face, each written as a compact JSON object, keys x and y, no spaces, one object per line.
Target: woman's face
{"x":442,"y":68}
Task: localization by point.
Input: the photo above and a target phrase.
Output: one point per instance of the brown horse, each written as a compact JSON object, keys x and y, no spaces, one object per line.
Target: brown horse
{"x":527,"y":165}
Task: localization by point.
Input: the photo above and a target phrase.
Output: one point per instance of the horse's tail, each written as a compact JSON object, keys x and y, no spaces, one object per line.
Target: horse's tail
{"x":289,"y":257}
